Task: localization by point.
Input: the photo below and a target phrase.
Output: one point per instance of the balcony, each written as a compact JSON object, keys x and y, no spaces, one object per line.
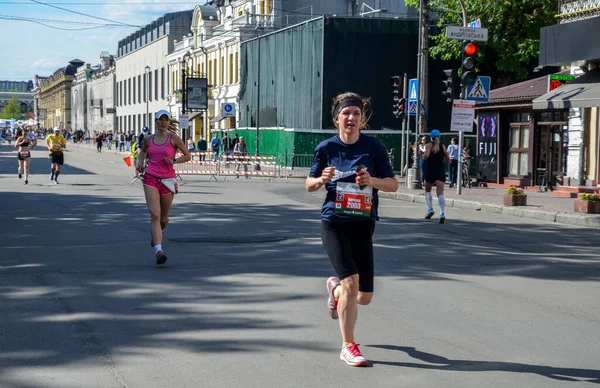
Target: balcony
{"x":574,"y":10}
{"x":185,"y":43}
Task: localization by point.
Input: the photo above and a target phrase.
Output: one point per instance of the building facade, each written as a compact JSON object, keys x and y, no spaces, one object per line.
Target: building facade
{"x":142,"y":79}
{"x":567,"y":44}
{"x":93,"y":96}
{"x":212,"y":48}
{"x":16,"y":86}
{"x":55,"y":96}
{"x":25,"y":100}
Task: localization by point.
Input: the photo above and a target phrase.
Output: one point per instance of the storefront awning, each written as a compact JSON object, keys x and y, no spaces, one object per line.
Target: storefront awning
{"x":216,"y":119}
{"x":582,"y":92}
{"x":194,"y":115}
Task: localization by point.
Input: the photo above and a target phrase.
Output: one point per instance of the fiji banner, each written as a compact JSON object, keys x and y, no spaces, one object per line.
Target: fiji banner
{"x":487,"y":147}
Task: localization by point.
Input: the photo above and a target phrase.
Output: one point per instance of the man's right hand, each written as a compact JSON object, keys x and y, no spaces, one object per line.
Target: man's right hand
{"x":327,"y":174}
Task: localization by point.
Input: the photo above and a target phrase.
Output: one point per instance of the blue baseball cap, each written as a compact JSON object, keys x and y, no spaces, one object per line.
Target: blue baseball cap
{"x":435,"y":133}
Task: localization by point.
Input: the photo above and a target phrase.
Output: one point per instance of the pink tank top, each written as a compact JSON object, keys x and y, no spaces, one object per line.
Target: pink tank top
{"x":157,"y":166}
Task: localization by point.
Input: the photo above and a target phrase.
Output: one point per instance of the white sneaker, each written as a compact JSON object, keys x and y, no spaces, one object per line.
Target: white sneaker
{"x":352,"y":356}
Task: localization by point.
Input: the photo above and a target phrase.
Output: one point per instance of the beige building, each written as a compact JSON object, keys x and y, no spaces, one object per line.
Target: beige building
{"x":55,"y":96}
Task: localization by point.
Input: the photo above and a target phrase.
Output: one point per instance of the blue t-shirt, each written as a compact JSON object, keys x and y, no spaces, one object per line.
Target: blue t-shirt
{"x":367,"y":151}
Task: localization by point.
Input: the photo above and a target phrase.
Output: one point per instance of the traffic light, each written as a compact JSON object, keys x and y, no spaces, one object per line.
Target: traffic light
{"x":395,"y":81}
{"x":452,"y":85}
{"x":469,"y":61}
{"x":401,"y":111}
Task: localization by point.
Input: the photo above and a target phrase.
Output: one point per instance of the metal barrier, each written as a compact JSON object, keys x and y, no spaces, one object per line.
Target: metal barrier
{"x":248,"y":166}
{"x":202,"y":163}
{"x":294,"y":165}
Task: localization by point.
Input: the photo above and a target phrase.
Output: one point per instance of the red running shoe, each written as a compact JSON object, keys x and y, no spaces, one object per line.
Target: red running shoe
{"x":332,"y":302}
{"x":352,"y":356}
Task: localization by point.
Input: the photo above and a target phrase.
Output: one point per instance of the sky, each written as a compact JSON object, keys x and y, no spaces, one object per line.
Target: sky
{"x":29,"y":48}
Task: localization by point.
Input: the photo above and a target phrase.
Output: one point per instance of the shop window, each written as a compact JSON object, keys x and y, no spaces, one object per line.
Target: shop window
{"x":518,"y":151}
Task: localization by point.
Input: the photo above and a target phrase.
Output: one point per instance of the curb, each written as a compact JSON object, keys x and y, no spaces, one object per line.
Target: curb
{"x":548,"y":216}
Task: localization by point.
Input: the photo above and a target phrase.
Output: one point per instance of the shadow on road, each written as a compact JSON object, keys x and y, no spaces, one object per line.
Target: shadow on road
{"x":445,"y":364}
{"x":79,"y":269}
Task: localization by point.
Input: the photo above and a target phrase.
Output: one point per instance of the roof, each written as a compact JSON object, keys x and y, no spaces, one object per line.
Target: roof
{"x":524,"y":91}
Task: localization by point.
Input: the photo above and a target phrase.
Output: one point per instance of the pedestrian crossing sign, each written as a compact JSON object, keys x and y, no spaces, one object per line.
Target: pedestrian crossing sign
{"x":413,"y":84}
{"x":480,"y":90}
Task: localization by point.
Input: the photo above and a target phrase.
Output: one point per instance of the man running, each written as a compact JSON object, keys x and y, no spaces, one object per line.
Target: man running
{"x":56,"y":144}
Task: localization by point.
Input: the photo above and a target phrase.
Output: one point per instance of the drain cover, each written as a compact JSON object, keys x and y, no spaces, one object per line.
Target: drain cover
{"x":229,"y":239}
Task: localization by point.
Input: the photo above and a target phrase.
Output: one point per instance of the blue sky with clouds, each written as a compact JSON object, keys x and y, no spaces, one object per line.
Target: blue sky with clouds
{"x":30,"y":48}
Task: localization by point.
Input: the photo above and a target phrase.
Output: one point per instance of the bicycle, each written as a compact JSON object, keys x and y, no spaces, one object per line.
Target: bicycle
{"x":464,"y":174}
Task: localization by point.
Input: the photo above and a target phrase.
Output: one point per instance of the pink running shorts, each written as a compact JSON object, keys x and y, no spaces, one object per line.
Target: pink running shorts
{"x":154,"y":182}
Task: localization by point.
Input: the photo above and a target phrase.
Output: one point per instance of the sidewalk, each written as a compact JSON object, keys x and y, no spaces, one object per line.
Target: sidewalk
{"x":540,"y":205}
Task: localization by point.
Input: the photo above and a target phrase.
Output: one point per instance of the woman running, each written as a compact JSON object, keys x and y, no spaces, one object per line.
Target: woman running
{"x":23,"y":154}
{"x":159,"y":177}
{"x":435,"y":173}
{"x":352,"y":167}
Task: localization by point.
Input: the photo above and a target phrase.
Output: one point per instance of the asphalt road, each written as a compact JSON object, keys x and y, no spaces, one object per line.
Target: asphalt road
{"x":482,"y":301}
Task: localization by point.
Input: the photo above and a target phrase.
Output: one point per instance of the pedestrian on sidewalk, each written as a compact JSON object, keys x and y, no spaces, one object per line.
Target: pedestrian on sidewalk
{"x":352,"y":167}
{"x":160,"y":184}
{"x":453,"y":166}
{"x":421,"y":155}
{"x":435,"y":156}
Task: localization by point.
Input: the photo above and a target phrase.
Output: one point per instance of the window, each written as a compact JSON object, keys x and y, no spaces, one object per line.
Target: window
{"x":150,"y":86}
{"x":519,"y":147}
{"x":139,"y":88}
{"x":134,"y":93}
{"x":230,"y":75}
{"x":222,"y":68}
{"x":145,"y":90}
{"x":162,"y":83}
{"x":237,"y":67}
{"x":118,"y":93}
{"x":214,"y":71}
{"x":210,"y":72}
{"x":129,"y":90}
{"x":156,"y":84}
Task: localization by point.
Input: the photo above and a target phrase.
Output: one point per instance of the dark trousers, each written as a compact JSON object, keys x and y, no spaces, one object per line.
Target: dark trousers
{"x":453,"y":171}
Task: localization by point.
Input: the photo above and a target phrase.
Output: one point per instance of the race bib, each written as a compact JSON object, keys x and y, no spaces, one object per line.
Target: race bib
{"x":351,"y":200}
{"x":55,"y":147}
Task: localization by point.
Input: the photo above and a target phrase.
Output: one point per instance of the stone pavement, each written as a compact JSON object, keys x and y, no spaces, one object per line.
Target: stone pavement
{"x":540,"y":205}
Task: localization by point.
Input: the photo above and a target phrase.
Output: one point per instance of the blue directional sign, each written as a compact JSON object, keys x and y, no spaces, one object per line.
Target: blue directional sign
{"x":413,"y":86}
{"x":480,"y":90}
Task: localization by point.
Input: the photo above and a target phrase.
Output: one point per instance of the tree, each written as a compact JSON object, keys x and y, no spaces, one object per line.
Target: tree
{"x":12,"y":110}
{"x":513,"y":29}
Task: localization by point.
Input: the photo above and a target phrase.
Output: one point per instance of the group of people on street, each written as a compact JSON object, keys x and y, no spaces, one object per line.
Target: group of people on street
{"x":55,"y":143}
{"x":352,"y":166}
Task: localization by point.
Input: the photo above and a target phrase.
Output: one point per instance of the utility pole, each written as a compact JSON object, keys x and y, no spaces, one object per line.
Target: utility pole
{"x":403,"y":156}
{"x":424,"y":83}
{"x":460,"y":134}
{"x":183,"y":97}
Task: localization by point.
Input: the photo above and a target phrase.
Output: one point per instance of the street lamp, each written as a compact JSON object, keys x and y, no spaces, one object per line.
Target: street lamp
{"x":147,"y":118}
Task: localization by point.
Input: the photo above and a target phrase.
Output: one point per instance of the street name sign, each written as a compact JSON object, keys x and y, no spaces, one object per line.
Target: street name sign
{"x":467,"y":33}
{"x":463,"y":114}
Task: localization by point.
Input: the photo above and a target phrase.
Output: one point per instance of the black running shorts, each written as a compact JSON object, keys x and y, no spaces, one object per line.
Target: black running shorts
{"x":58,"y":158}
{"x":23,"y":155}
{"x":349,"y":246}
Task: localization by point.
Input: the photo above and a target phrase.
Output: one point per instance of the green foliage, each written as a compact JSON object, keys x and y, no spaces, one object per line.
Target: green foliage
{"x":12,"y":110}
{"x":513,"y":29}
{"x":514,"y":191}
{"x":590,"y":197}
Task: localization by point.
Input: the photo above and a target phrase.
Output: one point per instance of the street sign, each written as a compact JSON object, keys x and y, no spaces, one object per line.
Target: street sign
{"x":228,"y":110}
{"x":467,"y":33}
{"x":413,"y":85}
{"x":475,"y":23}
{"x":42,"y":114}
{"x":412,"y":108}
{"x":555,"y":81}
{"x":480,"y":90}
{"x":463,"y":114}
{"x":184,"y":121}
